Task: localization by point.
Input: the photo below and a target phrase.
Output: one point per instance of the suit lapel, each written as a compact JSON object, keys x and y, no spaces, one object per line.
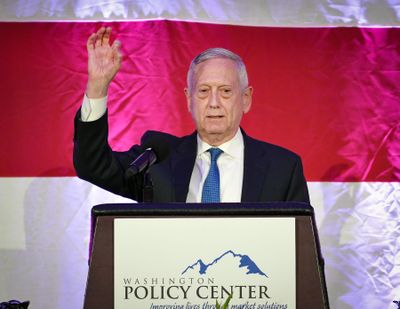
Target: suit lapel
{"x":182,"y":162}
{"x":255,"y":168}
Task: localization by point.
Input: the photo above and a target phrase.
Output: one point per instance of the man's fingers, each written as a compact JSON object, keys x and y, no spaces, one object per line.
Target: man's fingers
{"x":116,"y":47}
{"x":90,"y":42}
{"x":99,"y":38}
{"x":106,"y":36}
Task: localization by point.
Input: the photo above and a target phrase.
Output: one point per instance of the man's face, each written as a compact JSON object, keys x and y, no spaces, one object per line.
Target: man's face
{"x":216,"y":100}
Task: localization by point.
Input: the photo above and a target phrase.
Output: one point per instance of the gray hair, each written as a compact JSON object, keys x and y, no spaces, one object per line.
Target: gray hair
{"x":218,"y":52}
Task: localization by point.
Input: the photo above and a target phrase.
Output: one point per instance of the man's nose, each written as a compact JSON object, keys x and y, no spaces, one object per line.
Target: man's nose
{"x":214,"y":99}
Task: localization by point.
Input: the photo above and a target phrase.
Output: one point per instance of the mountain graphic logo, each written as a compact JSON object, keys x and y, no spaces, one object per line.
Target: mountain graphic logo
{"x":244,"y":261}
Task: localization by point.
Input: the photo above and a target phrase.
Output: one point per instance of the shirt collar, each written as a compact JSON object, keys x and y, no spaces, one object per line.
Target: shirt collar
{"x":233,"y":147}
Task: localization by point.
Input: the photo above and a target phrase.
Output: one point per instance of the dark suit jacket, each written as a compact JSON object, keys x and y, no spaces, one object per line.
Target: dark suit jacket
{"x":271,"y":173}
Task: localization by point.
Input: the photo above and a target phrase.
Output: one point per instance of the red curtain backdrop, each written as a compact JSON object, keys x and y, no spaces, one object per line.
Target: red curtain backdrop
{"x":329,"y":94}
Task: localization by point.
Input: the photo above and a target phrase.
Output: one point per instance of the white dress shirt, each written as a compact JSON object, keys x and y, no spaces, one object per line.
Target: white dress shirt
{"x":230,"y":162}
{"x":93,"y":109}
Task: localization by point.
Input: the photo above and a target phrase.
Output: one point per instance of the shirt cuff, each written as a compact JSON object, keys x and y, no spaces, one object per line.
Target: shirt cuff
{"x":93,"y":109}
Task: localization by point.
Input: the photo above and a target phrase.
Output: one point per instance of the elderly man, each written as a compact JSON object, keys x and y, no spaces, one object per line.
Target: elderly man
{"x":217,"y":163}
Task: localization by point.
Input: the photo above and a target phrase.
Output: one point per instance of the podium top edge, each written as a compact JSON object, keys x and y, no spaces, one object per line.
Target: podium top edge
{"x":197,"y":209}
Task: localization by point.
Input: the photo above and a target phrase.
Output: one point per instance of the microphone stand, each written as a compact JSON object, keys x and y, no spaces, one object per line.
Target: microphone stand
{"x":142,"y":185}
{"x":138,"y":175}
{"x":147,"y":191}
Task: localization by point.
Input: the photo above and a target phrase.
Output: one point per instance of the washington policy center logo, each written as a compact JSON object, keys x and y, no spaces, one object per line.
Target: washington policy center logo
{"x":200,"y":284}
{"x":228,"y":274}
{"x":244,"y":263}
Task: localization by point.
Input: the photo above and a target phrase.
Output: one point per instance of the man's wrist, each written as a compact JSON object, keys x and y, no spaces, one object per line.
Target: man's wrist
{"x":96,"y":90}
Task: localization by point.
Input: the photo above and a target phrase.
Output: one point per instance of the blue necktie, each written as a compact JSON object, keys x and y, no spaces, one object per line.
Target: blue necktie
{"x":211,"y":192}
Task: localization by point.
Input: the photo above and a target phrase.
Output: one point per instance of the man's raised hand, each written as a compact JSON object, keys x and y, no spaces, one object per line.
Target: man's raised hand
{"x":104,"y":61}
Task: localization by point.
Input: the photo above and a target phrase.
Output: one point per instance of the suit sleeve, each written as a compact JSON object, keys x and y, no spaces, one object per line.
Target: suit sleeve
{"x":95,"y":161}
{"x":298,"y":191}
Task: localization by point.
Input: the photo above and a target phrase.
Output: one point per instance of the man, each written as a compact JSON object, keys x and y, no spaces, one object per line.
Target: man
{"x":217,"y":163}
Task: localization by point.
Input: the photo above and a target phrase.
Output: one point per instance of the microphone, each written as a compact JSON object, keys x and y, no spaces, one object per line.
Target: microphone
{"x":145,"y":160}
{"x":157,"y":149}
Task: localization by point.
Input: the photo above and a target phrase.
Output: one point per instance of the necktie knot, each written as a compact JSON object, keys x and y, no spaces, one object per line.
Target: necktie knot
{"x":215,"y":153}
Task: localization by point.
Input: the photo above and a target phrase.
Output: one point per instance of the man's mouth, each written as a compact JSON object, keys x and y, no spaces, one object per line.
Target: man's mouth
{"x":215,"y":117}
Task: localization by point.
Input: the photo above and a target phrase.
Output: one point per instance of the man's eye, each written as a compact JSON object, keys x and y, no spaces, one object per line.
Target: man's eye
{"x":226,"y":92}
{"x":203,"y":92}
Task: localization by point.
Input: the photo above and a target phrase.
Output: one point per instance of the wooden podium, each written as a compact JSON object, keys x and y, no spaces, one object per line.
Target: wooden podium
{"x":311,"y":289}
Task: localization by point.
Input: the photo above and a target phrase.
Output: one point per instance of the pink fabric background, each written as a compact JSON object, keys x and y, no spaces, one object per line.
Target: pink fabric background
{"x":329,"y":94}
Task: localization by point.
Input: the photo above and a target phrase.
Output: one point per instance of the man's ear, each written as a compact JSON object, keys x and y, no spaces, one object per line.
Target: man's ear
{"x":187,"y":94}
{"x":247,"y":99}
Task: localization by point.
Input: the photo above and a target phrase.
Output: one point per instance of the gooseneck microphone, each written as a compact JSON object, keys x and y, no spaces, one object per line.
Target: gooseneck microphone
{"x":157,"y":149}
{"x":142,"y":162}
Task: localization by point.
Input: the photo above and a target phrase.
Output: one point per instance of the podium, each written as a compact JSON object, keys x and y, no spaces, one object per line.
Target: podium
{"x":310,"y":285}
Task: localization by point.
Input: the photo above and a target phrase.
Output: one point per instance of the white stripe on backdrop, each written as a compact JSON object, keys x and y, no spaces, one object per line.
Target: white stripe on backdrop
{"x":305,"y":13}
{"x":44,"y":222}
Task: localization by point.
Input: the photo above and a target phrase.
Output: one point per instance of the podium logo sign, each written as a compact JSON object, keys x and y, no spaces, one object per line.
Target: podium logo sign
{"x":190,"y":263}
{"x":243,"y":261}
